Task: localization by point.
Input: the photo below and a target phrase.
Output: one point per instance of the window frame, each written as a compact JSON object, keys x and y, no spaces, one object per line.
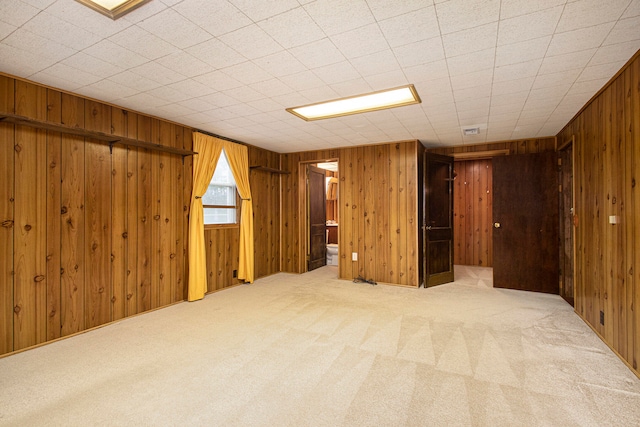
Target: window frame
{"x":238,"y":201}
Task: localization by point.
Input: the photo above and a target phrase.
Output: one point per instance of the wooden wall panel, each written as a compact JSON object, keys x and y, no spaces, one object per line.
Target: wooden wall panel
{"x":79,"y":253}
{"x":394,"y":169}
{"x":7,"y":225}
{"x":607,"y":165}
{"x":516,"y":146}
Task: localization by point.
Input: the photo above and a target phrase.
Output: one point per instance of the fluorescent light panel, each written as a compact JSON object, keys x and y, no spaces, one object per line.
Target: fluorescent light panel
{"x":114,"y":9}
{"x":389,"y":98}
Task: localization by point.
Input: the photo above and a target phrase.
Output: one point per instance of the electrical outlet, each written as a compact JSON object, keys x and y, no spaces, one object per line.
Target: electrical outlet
{"x":354,"y":256}
{"x":602,"y":317}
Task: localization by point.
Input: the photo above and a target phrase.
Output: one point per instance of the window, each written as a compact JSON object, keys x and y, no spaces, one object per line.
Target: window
{"x":219,"y":201}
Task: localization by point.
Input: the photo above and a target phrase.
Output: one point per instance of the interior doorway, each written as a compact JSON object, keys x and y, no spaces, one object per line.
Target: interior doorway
{"x":566,"y":204}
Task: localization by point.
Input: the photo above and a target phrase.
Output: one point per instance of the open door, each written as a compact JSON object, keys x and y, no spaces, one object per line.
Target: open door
{"x":317,"y":214}
{"x":525,"y":215}
{"x":438,"y":219}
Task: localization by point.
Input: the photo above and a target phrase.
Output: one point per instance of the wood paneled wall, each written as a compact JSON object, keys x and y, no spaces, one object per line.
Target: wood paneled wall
{"x":378,"y":213}
{"x":606,"y":171}
{"x":473,"y":214}
{"x":88,"y":235}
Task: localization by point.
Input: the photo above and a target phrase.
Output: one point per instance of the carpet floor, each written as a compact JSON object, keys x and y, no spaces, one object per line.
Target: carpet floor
{"x":311,"y":350}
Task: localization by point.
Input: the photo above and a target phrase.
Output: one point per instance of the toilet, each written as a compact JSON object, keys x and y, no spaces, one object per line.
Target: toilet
{"x":332,"y":254}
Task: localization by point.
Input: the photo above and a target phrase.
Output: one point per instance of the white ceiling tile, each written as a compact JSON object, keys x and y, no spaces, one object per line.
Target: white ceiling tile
{"x":168,"y":94}
{"x":517,"y":71}
{"x":567,"y":61}
{"x":436,"y":99}
{"x":550,"y":93}
{"x":175,"y":110}
{"x":509,"y":110}
{"x":422,"y":52}
{"x":457,"y":15}
{"x":512,"y":86}
{"x":522,"y":51}
{"x":472,"y":62}
{"x":383,"y":9}
{"x":51,"y":27}
{"x":251,"y":41}
{"x":411,"y":27}
{"x":624,"y":30}
{"x":338,"y":72}
{"x":292,"y":28}
{"x":185,"y":64}
{"x":265,"y":105}
{"x":196,"y":104}
{"x":360,"y":42}
{"x":476,"y":104}
{"x":600,"y":72}
{"x":337,"y":16}
{"x":142,"y":42}
{"x":280,"y":64}
{"x":144,"y":98}
{"x":218,"y":80}
{"x":244,"y":94}
{"x":620,"y":52}
{"x":271,"y":88}
{"x":141,"y":13}
{"x":259,"y":10}
{"x":531,"y":26}
{"x":92,"y":65}
{"x":216,"y":17}
{"x":388,"y":79}
{"x":302,"y":81}
{"x":511,"y":8}
{"x":108,"y":51}
{"x":219,"y":100}
{"x":471,"y":40}
{"x":157,"y":73}
{"x":216,"y":53}
{"x":472,"y":93}
{"x":57,"y":80}
{"x":478,"y":78}
{"x":77,"y":14}
{"x":509,"y":99}
{"x":17,"y":13}
{"x":588,"y":13}
{"x":6,"y":29}
{"x":115,"y":90}
{"x":376,"y":63}
{"x":352,"y":87}
{"x":242,"y":110}
{"x":427,"y":72}
{"x":174,"y":28}
{"x":317,"y":54}
{"x":555,"y":79}
{"x":632,"y":10}
{"x":576,"y":40}
{"x":247,"y":73}
{"x":191,"y":88}
{"x":588,"y":87}
{"x":79,"y":77}
{"x":37,"y":45}
{"x":318,"y":94}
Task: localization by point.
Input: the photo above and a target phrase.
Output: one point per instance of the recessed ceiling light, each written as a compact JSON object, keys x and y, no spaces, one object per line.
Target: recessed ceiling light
{"x":114,"y":9}
{"x":389,"y":98}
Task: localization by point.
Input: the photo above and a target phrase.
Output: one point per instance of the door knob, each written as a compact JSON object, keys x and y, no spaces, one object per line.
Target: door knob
{"x":496,"y":225}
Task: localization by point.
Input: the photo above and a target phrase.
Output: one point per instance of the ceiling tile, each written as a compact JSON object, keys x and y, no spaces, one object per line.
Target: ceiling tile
{"x":79,"y":77}
{"x":244,"y":94}
{"x":615,"y":53}
{"x":512,"y":86}
{"x":472,"y":92}
{"x":111,"y":52}
{"x":383,"y":9}
{"x":292,"y":28}
{"x":387,"y":80}
{"x":360,"y":42}
{"x":247,"y":73}
{"x":422,"y":52}
{"x":588,"y":87}
{"x":133,"y":80}
{"x":336,"y":16}
{"x":317,"y":54}
{"x":531,"y":26}
{"x":376,"y":63}
{"x":216,"y":17}
{"x":185,"y":64}
{"x":60,"y":81}
{"x":271,"y":88}
{"x":280,"y":64}
{"x":411,"y":27}
{"x":522,"y":51}
{"x":624,"y":30}
{"x":265,"y":105}
{"x":576,"y":40}
{"x":158,"y":73}
{"x":176,"y":110}
{"x":472,"y":62}
{"x":174,"y":28}
{"x":512,"y":8}
{"x":259,"y":10}
{"x":567,"y":61}
{"x":115,"y":90}
{"x":517,"y":71}
{"x":191,"y":88}
{"x":17,"y":13}
{"x":476,"y":104}
{"x":471,"y":40}
{"x":141,"y":13}
{"x":588,"y":13}
{"x":142,"y":42}
{"x":632,"y":10}
{"x":216,"y":53}
{"x":509,"y":99}
{"x":6,"y":29}
{"x":37,"y":45}
{"x":77,"y":14}
{"x":251,"y":41}
{"x":168,"y":94}
{"x":141,"y":99}
{"x":48,"y":26}
{"x":302,"y":81}
{"x":335,"y":73}
{"x":601,"y":72}
{"x":457,"y":15}
{"x":352,"y":87}
{"x":92,"y":65}
{"x":427,"y":72}
{"x":554,"y":79}
{"x":478,"y":78}
{"x":219,"y":100}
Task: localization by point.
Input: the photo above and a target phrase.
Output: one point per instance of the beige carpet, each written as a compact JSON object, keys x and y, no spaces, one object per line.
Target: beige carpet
{"x":296,"y":350}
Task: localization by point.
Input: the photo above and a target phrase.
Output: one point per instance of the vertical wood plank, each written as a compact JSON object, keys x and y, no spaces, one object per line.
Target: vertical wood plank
{"x":54,"y":176}
{"x":176,"y":203}
{"x":30,"y":292}
{"x":166,"y":220}
{"x":394,"y":213}
{"x":72,"y":233}
{"x":383,"y":226}
{"x":412,"y":229}
{"x":357,"y":213}
{"x":346,"y":243}
{"x":97,"y":218}
{"x":7,"y":219}
{"x":403,"y":223}
{"x":132,"y":218}
{"x":369,"y":212}
{"x":635,"y":236}
{"x":119,"y":207}
{"x":145,"y":218}
{"x":156,"y":269}
{"x":187,"y":143}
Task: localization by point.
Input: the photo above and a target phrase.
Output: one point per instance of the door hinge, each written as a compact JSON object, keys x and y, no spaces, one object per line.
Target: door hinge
{"x":560,"y":188}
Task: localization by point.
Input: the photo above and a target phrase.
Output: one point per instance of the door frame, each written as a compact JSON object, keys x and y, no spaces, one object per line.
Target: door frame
{"x":303,"y":209}
{"x":566,"y":144}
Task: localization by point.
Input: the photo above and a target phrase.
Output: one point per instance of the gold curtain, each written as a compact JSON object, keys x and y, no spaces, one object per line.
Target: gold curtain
{"x":238,"y":158}
{"x":204,"y":164}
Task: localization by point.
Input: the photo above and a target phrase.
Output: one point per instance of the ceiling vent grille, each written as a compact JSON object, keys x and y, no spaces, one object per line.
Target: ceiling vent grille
{"x":471,"y":131}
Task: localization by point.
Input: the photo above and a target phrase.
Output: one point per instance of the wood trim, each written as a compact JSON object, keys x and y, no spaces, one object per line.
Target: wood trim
{"x":478,"y":155}
{"x":266,"y":169}
{"x":95,"y":135}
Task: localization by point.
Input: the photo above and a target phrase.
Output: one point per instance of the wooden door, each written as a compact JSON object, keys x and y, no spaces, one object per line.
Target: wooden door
{"x":438,"y":219}
{"x":525,"y":215}
{"x":317,"y":214}
{"x":565,"y":164}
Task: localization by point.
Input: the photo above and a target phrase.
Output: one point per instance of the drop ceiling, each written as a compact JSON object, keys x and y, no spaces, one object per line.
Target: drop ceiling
{"x":511,"y":68}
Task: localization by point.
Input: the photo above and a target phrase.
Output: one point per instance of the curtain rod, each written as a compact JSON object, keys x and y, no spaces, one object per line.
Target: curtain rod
{"x":221,"y":137}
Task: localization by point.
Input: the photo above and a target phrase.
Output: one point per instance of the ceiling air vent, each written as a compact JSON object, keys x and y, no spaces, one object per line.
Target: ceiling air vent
{"x":471,"y":131}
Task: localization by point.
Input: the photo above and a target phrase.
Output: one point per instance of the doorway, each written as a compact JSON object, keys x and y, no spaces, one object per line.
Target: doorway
{"x":566,"y":204}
